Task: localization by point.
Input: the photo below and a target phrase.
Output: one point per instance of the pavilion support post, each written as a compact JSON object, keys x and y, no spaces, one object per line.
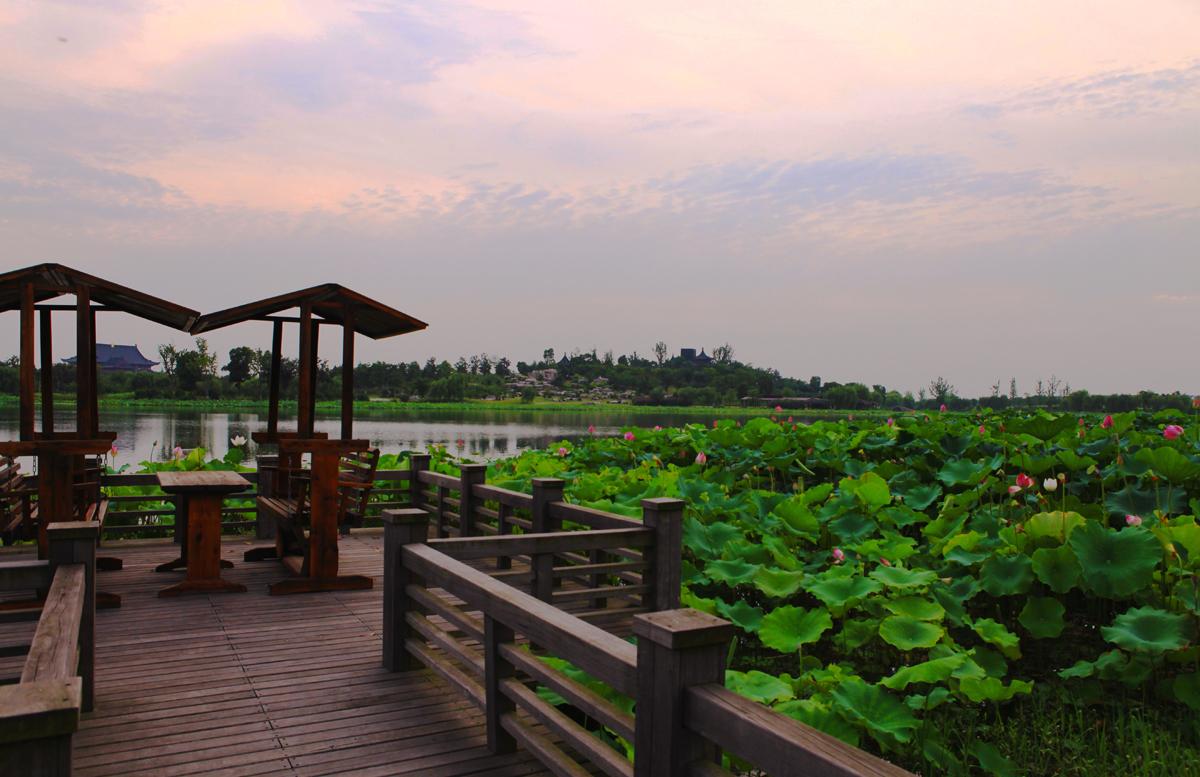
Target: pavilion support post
{"x":46,"y":362}
{"x":304,"y":421}
{"x":546,"y":491}
{"x":83,"y":373}
{"x":314,"y":350}
{"x":27,"y":367}
{"x":348,"y":373}
{"x":276,"y":363}
{"x":93,"y":380}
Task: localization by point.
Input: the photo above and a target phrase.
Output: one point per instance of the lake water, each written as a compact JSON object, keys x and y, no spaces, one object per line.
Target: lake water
{"x":476,"y":434}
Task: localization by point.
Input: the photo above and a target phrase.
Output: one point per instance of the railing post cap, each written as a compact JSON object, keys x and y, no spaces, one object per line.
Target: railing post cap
{"x":71,"y":530}
{"x":404,"y":516}
{"x":472,"y":467}
{"x":548,"y":482}
{"x":419,"y":457}
{"x":684,"y":628}
{"x":663,"y":503}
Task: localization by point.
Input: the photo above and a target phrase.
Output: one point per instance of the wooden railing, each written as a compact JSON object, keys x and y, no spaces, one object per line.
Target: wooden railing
{"x":499,"y":644}
{"x":40,"y":713}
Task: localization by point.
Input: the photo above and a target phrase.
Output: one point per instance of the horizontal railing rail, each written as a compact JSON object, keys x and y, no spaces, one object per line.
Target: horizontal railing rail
{"x":39,"y":714}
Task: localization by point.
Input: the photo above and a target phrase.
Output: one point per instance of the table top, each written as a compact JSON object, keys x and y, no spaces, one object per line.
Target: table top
{"x":199,"y":481}
{"x":57,"y":446}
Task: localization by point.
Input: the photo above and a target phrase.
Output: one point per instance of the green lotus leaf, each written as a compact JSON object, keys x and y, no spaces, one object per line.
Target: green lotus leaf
{"x":1056,"y":526}
{"x":968,"y":541}
{"x":927,"y":701}
{"x":884,"y":716}
{"x":1043,"y":425}
{"x":994,"y":633}
{"x":822,"y":718}
{"x":1115,"y":564}
{"x":899,"y":577}
{"x":1056,"y":567}
{"x":708,"y":541}
{"x":1170,"y":464}
{"x":798,"y":518}
{"x":909,"y":633}
{"x":1042,"y":617}
{"x":901,"y":515}
{"x":870,"y":490}
{"x":959,"y":472}
{"x":934,"y":671}
{"x":1186,"y":688}
{"x":856,"y":633}
{"x":1006,"y":575}
{"x":839,"y":593}
{"x":1148,"y":630}
{"x":777,"y":582}
{"x":1187,"y":591}
{"x":1132,"y":500}
{"x":1185,"y":537}
{"x":935,"y":752}
{"x":992,"y":689}
{"x":1078,"y":670}
{"x":689,"y":599}
{"x":787,"y":628}
{"x":921,"y":497}
{"x":732,"y":571}
{"x":759,"y":686}
{"x":916,"y":607}
{"x":991,"y":761}
{"x":745,"y":615}
{"x":853,"y":527}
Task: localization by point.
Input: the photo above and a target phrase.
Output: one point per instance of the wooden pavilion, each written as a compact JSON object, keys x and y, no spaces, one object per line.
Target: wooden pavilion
{"x":319,"y":306}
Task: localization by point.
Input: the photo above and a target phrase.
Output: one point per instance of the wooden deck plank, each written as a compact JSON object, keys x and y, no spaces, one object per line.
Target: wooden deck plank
{"x":250,"y":684}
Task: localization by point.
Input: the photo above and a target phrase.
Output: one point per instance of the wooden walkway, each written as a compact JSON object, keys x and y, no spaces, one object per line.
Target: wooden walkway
{"x":247,"y":684}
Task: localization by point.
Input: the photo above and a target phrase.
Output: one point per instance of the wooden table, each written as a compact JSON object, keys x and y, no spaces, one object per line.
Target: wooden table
{"x":203,"y":493}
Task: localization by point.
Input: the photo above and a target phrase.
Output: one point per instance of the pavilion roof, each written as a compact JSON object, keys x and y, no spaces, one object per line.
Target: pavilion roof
{"x":55,"y":280}
{"x":329,"y":301}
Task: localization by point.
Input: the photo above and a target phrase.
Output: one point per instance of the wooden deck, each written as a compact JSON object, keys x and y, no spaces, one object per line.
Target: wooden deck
{"x":247,"y":684}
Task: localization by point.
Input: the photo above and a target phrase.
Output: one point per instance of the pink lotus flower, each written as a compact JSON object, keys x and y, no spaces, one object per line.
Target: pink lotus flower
{"x":1133,"y":520}
{"x":591,"y":429}
{"x":1172,"y":431}
{"x":1107,"y":423}
{"x":789,"y":419}
{"x":942,"y":408}
{"x":178,"y":452}
{"x":714,"y":423}
{"x":629,"y":437}
{"x":773,"y":418}
{"x":885,"y":562}
{"x":113,"y":450}
{"x":891,"y":422}
{"x":657,"y":428}
{"x":701,"y":459}
{"x":779,"y":408}
{"x":982,"y":429}
{"x":1024,"y":481}
{"x":1014,"y":490}
{"x":563,"y":451}
{"x":838,"y":556}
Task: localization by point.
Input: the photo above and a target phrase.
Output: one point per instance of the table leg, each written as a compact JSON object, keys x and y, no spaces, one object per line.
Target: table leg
{"x":203,"y":549}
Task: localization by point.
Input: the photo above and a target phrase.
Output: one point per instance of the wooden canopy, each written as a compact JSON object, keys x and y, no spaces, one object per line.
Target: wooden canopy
{"x":28,"y":289}
{"x":327,"y":304}
{"x":330,"y":302}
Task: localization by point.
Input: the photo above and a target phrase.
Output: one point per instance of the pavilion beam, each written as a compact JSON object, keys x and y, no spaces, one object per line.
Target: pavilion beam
{"x":304,"y":409}
{"x":27,"y":368}
{"x":312,"y":376}
{"x":276,"y":365}
{"x":83,"y":373}
{"x":347,"y":374}
{"x":46,"y":362}
{"x":94,"y":380}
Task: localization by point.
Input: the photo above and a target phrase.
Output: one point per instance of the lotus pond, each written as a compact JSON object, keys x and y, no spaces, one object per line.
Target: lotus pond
{"x":964,"y":594}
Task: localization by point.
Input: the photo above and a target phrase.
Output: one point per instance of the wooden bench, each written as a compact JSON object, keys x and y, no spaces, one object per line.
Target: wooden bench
{"x":356,"y":478}
{"x":18,"y":511}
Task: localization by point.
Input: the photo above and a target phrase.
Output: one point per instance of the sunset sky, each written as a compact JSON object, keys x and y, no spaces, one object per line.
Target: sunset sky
{"x":874,"y":191}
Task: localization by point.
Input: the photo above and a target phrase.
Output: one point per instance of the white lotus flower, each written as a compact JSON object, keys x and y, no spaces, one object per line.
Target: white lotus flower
{"x":237,"y":441}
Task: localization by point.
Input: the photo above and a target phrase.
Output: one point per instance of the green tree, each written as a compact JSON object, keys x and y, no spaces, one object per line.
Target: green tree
{"x":243,"y":364}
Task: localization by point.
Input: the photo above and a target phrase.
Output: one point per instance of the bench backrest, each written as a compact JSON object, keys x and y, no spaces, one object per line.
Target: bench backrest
{"x":14,"y":498}
{"x":356,"y":475}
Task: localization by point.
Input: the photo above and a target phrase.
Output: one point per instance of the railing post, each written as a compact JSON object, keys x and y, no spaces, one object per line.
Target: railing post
{"x":496,"y":670}
{"x":417,"y":463}
{"x":74,"y":542}
{"x":676,"y":649}
{"x":665,"y":517}
{"x":400,"y":527}
{"x":469,"y":476}
{"x":264,"y":521}
{"x":546,"y":491}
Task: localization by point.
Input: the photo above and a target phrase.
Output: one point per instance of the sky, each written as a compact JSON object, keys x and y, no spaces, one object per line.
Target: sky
{"x":873,"y":191}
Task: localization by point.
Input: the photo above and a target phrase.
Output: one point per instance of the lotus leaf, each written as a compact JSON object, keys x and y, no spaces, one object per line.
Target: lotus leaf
{"x":959,"y":472}
{"x":745,"y":615}
{"x":1056,"y":567}
{"x":1170,"y":464}
{"x":1043,"y":426}
{"x":908,"y":633}
{"x":1187,"y":689}
{"x":840,"y":593}
{"x":1006,"y":575}
{"x":992,"y":689}
{"x":885,"y":717}
{"x":1043,"y":617}
{"x":921,"y":497}
{"x":788,"y":628}
{"x":798,"y":518}
{"x":1149,"y":630}
{"x":871,"y":490}
{"x":899,"y":577}
{"x":1136,"y":501}
{"x":1056,"y":526}
{"x":991,"y":761}
{"x":777,"y":582}
{"x":759,"y":686}
{"x":930,"y":701}
{"x":822,"y":718}
{"x":856,"y":633}
{"x":708,"y":541}
{"x":733,"y":571}
{"x":902,"y":515}
{"x":933,"y":671}
{"x":994,"y":633}
{"x":916,"y":607}
{"x":853,"y":527}
{"x":1115,"y":564}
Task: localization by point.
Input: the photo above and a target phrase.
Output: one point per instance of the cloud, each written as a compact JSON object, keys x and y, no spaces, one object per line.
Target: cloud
{"x":1177,"y":299}
{"x":1112,"y":93}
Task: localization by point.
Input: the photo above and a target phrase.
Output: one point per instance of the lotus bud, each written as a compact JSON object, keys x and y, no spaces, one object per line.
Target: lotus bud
{"x":1024,"y":481}
{"x":838,"y":556}
{"x":701,"y":459}
{"x":1172,"y":431}
{"x":1014,"y":490}
{"x":591,"y":429}
{"x":1107,"y":423}
{"x":630,"y":437}
{"x":563,"y":451}
{"x":1133,"y":520}
{"x":1050,"y":484}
